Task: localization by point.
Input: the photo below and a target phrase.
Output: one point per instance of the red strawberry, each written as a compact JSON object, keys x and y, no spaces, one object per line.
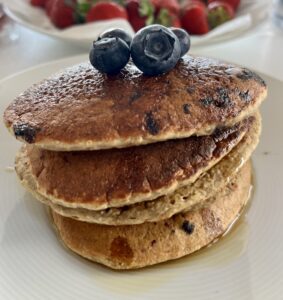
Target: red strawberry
{"x":171,"y":5}
{"x":40,"y":3}
{"x":48,"y":6}
{"x":234,"y":3}
{"x":219,"y":12}
{"x":167,"y":18}
{"x":140,"y":12}
{"x":61,"y":14}
{"x":106,"y":10}
{"x":187,"y":2}
{"x":194,"y":18}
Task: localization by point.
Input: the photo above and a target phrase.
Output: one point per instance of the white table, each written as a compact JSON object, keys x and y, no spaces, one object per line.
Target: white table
{"x":260,"y":50}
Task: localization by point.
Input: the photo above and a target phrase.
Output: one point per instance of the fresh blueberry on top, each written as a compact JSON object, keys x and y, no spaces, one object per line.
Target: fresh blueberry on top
{"x":184,"y":39}
{"x":155,"y":49}
{"x":109,"y":55}
{"x":117,"y":32}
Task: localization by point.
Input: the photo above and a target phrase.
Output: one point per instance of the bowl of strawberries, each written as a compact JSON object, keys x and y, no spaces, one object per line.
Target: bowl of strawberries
{"x":81,"y":21}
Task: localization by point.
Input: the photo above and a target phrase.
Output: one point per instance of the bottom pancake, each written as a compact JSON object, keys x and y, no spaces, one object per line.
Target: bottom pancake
{"x":136,"y":246}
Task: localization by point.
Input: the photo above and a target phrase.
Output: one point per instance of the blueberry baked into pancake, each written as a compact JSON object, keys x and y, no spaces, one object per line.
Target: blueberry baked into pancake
{"x":142,"y":154}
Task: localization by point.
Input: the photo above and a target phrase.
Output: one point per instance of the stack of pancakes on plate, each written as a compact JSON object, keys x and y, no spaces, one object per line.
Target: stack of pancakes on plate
{"x":140,"y":170}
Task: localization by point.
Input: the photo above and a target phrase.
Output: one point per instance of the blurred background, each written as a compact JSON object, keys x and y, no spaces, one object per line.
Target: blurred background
{"x":246,"y":32}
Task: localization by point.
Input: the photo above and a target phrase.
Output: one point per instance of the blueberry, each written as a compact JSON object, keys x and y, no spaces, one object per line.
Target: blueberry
{"x":184,"y":39}
{"x":109,"y":55}
{"x":155,"y":49}
{"x":117,"y":32}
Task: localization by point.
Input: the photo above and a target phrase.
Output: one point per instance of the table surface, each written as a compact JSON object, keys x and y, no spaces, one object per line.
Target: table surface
{"x":260,"y":49}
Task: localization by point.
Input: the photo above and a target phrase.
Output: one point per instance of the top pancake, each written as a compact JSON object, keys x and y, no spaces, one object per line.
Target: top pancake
{"x":83,"y":109}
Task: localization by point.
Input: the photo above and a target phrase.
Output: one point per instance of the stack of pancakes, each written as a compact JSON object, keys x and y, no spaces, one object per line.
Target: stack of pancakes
{"x":139,"y":170}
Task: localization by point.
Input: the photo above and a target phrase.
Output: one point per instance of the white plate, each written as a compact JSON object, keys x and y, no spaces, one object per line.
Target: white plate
{"x":249,"y":15}
{"x":246,"y":264}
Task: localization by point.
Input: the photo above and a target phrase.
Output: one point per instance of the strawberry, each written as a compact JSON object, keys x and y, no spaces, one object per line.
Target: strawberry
{"x":48,"y":6}
{"x":167,"y":18}
{"x":140,"y":12}
{"x":106,"y":10}
{"x":62,"y":13}
{"x":234,"y":3}
{"x":194,"y":17}
{"x":40,"y":3}
{"x":171,"y":5}
{"x":219,"y":12}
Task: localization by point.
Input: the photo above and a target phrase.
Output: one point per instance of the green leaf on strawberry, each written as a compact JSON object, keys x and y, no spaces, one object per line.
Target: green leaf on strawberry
{"x":163,"y":17}
{"x":219,"y":12}
{"x":146,"y":9}
{"x":166,"y":18}
{"x":83,"y":8}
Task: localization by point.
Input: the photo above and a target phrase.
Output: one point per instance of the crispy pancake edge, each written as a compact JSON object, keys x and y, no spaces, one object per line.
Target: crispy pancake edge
{"x":202,"y":94}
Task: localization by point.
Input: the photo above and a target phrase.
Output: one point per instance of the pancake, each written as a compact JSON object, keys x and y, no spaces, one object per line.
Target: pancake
{"x":186,"y":198}
{"x":83,"y":109}
{"x":111,"y":178}
{"x":136,"y":246}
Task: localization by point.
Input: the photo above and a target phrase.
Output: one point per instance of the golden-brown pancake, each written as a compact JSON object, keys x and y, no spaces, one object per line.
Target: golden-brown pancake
{"x":83,"y":109}
{"x":183,"y":199}
{"x":136,"y":246}
{"x":117,"y":177}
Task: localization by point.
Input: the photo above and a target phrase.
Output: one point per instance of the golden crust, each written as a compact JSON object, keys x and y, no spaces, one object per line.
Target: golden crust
{"x":189,"y":197}
{"x":136,"y":246}
{"x":82,"y":109}
{"x":117,"y":177}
